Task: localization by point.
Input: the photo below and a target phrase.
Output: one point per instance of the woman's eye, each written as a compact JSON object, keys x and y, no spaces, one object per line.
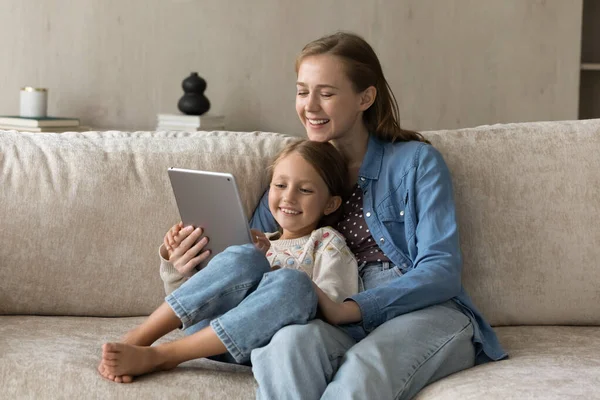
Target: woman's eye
{"x":302,"y":93}
{"x":327,"y":95}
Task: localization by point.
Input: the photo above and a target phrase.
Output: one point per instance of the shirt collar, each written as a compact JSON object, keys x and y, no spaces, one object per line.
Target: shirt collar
{"x":371,"y":165}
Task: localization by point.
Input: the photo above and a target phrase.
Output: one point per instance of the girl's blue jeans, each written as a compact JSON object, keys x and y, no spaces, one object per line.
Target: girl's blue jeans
{"x":244,"y":300}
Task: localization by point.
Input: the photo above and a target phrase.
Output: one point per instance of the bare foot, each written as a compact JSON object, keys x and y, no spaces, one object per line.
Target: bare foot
{"x":122,"y":361}
{"x":133,"y":337}
{"x":115,"y":378}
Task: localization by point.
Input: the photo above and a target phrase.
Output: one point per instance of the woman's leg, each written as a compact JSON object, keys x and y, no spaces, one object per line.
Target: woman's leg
{"x":403,"y":355}
{"x":300,"y":361}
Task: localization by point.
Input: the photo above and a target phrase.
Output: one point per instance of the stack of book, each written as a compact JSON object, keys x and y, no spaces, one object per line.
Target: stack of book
{"x":44,"y":124}
{"x":190,"y":123}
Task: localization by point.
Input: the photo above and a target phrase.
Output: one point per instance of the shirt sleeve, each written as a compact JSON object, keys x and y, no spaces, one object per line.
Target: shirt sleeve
{"x":436,"y":276}
{"x":262,"y":219}
{"x":335,"y":270}
{"x":171,"y":278}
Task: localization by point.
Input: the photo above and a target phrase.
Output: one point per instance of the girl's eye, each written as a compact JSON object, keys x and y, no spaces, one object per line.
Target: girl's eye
{"x":279,"y":185}
{"x":306,"y":190}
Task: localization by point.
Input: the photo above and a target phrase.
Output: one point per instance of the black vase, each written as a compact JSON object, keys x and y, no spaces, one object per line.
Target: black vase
{"x":193,"y":101}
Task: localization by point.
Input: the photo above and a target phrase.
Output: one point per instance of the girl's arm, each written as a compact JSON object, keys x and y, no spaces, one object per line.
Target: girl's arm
{"x":335,"y":275}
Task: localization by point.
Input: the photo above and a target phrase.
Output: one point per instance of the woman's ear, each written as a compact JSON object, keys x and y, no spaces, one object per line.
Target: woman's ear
{"x":333,"y":204}
{"x":367,"y":98}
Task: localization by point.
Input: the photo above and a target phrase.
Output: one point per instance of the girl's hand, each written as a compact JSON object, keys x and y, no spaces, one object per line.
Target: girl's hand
{"x":260,"y":241}
{"x":183,"y":253}
{"x":169,"y":239}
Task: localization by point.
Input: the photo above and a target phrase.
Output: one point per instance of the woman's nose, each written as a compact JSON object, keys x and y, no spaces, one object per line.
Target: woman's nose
{"x":312,"y":103}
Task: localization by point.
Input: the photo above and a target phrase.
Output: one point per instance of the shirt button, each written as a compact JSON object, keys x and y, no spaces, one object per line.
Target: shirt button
{"x":402,"y":213}
{"x":362,"y":179}
{"x":382,"y":240}
{"x":368,"y":214}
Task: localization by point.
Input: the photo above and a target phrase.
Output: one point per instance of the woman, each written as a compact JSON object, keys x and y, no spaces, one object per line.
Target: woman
{"x":413,"y":323}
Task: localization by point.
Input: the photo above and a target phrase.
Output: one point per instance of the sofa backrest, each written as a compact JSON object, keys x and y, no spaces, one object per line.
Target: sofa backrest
{"x":528,"y":203}
{"x":82,"y":215}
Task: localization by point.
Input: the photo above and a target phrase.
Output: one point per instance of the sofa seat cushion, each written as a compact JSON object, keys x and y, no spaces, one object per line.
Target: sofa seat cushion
{"x":56,"y":358}
{"x":59,"y":355}
{"x":546,"y":362}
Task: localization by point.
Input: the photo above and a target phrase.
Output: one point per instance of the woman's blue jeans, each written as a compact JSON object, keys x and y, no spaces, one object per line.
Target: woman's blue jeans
{"x":394,"y":361}
{"x":244,"y":300}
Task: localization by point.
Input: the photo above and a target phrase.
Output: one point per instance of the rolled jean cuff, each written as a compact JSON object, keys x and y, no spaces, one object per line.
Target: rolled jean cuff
{"x":179,"y":311}
{"x":228,"y":342}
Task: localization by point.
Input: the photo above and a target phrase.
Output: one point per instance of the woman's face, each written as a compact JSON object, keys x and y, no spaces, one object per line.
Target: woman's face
{"x":326,"y":102}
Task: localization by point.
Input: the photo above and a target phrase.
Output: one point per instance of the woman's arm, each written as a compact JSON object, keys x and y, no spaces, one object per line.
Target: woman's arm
{"x":262,"y":219}
{"x":436,"y":276}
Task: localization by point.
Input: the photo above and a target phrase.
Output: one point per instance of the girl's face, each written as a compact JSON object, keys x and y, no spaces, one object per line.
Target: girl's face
{"x":326,"y":102}
{"x":298,"y":197}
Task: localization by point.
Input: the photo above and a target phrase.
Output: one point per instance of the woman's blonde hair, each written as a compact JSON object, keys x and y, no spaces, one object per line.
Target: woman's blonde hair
{"x":364,"y":70}
{"x":329,"y":164}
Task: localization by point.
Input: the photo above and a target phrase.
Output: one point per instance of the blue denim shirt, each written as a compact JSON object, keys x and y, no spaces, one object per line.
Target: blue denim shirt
{"x":408,"y":205}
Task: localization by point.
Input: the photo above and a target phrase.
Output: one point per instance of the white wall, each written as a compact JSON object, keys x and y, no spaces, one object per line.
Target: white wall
{"x":451,"y":63}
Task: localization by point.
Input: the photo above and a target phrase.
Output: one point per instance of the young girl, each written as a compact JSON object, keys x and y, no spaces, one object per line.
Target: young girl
{"x":248,"y":296}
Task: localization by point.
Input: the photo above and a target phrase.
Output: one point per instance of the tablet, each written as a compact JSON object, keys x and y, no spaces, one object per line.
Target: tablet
{"x":211,"y":200}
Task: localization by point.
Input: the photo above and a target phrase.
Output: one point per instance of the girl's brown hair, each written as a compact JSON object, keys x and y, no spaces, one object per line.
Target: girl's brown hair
{"x":329,"y":164}
{"x":364,"y":70}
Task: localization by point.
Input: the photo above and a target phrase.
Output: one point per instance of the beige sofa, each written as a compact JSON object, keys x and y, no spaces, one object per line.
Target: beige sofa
{"x":82,"y":216}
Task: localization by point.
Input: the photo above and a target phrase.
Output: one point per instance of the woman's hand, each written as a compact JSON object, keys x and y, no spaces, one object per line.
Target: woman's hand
{"x":182,"y":252}
{"x":334,"y":313}
{"x":260,"y":241}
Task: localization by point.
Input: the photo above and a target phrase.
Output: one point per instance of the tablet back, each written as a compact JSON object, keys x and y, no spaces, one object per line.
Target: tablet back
{"x":211,"y":200}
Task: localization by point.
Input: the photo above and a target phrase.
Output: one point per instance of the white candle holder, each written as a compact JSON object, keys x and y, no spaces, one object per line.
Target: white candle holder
{"x":34,"y":102}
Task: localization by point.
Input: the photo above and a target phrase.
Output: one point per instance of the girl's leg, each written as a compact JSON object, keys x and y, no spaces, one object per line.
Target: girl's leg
{"x":121,"y":359}
{"x":403,"y":355}
{"x":283,"y":297}
{"x":229,"y":277}
{"x":221,"y":285}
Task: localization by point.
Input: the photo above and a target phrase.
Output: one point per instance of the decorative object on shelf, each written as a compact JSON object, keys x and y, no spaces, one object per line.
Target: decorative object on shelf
{"x":33,"y":102}
{"x":190,"y":123}
{"x":193,"y":101}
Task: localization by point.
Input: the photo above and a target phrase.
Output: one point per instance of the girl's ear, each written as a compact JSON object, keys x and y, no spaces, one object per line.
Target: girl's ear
{"x":367,"y":98}
{"x":333,"y":204}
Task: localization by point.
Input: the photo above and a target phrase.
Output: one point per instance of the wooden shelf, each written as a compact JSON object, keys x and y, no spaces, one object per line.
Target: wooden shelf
{"x":590,"y":66}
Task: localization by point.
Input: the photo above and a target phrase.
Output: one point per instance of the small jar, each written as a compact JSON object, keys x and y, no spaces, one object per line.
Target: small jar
{"x":34,"y":102}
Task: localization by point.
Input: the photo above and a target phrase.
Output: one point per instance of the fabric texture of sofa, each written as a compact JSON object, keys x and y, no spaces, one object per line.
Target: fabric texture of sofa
{"x":82,"y":216}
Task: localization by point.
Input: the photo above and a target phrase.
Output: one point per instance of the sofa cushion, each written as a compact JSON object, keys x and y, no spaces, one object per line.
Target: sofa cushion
{"x":546,"y":362}
{"x":527,"y":199}
{"x":57,"y":357}
{"x":82,"y":214}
